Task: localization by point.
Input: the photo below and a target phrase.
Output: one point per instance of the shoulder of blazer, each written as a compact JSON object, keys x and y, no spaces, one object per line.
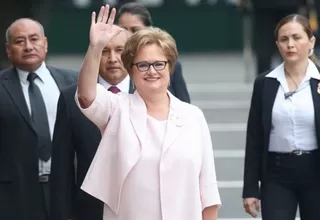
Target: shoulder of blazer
{"x":260,"y":79}
{"x":70,"y":91}
{"x":263,"y":75}
{"x":178,"y":64}
{"x":4,"y":73}
{"x":68,"y":73}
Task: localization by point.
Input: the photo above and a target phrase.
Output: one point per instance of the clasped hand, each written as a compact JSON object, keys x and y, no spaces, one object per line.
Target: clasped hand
{"x":102,"y":30}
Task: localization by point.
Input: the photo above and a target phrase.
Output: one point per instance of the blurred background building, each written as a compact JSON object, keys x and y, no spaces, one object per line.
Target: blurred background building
{"x":197,"y":25}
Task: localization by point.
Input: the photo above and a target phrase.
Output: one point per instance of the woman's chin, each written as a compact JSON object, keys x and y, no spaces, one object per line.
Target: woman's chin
{"x":153,"y":88}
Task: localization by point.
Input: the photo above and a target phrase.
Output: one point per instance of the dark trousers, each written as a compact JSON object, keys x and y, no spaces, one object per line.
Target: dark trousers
{"x":264,"y":24}
{"x":291,"y":181}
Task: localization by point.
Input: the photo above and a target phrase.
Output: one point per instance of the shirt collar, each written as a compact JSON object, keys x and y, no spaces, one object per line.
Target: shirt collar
{"x":24,"y":74}
{"x":279,"y":74}
{"x":123,"y":85}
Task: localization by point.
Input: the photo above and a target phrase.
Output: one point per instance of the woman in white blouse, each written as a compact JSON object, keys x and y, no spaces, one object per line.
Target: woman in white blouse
{"x":283,"y":134}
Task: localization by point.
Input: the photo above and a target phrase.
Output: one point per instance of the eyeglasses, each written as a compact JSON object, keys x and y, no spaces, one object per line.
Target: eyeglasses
{"x":145,"y":66}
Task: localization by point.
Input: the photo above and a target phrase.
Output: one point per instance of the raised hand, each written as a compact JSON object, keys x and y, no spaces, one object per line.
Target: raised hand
{"x":102,"y":30}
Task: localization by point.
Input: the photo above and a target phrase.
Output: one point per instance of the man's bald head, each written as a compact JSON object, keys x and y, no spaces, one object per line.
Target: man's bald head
{"x":23,"y":21}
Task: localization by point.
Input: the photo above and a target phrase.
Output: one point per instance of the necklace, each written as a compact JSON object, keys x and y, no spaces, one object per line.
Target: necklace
{"x":292,"y":79}
{"x":290,"y":93}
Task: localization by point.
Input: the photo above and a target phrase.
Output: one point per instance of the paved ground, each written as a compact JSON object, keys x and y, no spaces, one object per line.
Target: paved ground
{"x":217,"y":84}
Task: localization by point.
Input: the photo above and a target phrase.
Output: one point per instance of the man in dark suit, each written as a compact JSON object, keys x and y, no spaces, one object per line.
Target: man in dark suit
{"x":266,"y":15}
{"x":77,"y":137}
{"x":29,"y":95}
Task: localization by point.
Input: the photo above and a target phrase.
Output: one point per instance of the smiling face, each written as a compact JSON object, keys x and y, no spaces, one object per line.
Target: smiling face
{"x":149,"y":57}
{"x":151,"y":71}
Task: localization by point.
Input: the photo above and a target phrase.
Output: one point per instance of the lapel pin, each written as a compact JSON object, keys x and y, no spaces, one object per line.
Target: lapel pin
{"x":318,"y":89}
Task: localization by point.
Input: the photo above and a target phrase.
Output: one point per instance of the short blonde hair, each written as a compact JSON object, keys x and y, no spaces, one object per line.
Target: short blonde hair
{"x":147,"y":36}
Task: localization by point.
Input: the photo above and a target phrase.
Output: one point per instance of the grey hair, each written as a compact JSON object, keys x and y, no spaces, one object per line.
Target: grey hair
{"x":16,"y":21}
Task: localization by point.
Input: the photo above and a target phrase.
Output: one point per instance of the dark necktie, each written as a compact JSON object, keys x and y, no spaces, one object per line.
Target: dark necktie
{"x":39,"y":119}
{"x":114,"y":89}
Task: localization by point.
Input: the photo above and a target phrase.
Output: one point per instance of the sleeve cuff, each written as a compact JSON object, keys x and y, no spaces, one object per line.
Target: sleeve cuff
{"x":210,"y":196}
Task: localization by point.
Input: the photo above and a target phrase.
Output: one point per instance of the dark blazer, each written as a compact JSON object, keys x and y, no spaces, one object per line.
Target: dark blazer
{"x":20,"y":192}
{"x":77,"y":137}
{"x":178,"y":86}
{"x":258,"y":131}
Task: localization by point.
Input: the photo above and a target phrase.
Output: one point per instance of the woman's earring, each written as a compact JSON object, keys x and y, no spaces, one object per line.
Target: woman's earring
{"x":311,"y":52}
